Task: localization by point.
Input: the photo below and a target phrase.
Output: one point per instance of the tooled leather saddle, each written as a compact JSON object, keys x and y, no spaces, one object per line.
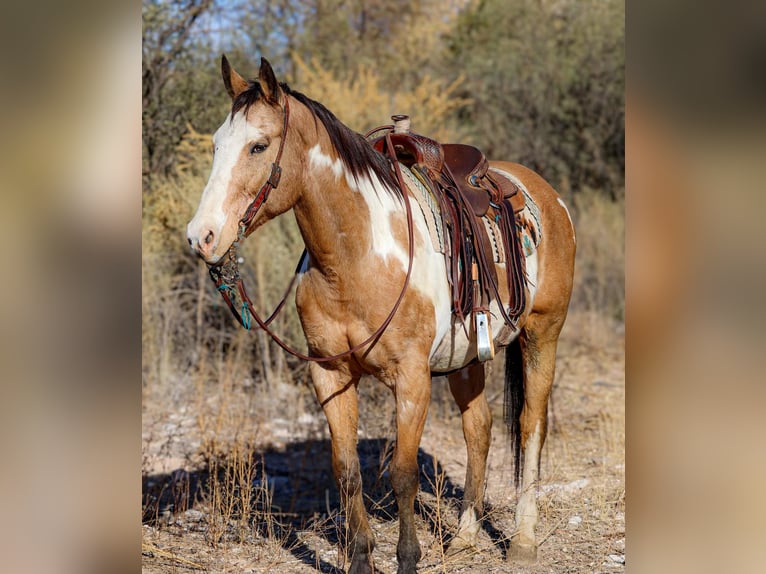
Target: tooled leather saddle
{"x":458,"y":176}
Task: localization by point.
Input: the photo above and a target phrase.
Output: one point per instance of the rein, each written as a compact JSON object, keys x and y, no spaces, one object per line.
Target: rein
{"x":228,"y":282}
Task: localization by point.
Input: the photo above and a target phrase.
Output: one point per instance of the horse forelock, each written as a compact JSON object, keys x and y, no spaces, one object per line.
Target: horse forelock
{"x":357,"y":155}
{"x":245,"y":100}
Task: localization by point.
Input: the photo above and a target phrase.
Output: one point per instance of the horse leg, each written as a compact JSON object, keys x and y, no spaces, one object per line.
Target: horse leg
{"x":538,"y":357}
{"x":467,"y":386}
{"x":336,"y":391}
{"x":413,"y":393}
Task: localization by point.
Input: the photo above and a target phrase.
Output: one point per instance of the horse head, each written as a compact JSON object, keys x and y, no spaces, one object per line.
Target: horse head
{"x":246,"y":165}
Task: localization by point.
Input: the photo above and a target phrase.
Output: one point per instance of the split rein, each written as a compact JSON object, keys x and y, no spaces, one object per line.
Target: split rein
{"x":229,"y":284}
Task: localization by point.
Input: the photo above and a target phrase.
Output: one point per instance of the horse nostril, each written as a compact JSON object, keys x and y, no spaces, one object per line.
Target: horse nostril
{"x":189,"y":240}
{"x":209,"y":238}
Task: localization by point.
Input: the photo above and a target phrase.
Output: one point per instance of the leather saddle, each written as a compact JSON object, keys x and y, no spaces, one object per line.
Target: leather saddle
{"x":464,"y":164}
{"x":459,"y":178}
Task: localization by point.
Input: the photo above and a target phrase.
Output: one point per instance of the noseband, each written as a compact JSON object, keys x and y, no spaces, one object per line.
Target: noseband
{"x":228,"y":282}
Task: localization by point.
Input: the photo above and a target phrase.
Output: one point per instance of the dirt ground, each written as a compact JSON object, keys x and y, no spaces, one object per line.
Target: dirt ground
{"x":191,"y":520}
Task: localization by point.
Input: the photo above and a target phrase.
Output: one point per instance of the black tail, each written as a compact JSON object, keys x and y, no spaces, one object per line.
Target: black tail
{"x":514,"y":401}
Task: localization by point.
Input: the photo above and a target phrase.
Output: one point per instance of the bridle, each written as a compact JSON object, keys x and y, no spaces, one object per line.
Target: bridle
{"x":228,"y":282}
{"x":271,"y":183}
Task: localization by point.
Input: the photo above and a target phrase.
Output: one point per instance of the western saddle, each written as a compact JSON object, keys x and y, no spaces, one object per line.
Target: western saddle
{"x":458,"y":177}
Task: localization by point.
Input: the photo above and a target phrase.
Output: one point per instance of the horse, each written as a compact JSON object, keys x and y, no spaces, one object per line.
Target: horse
{"x":371,"y":262}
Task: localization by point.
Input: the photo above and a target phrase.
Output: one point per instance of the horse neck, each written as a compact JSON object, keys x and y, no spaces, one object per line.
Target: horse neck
{"x":339,"y":216}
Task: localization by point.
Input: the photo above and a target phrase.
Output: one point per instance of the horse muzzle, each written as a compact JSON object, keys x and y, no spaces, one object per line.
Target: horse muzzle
{"x":203,"y":242}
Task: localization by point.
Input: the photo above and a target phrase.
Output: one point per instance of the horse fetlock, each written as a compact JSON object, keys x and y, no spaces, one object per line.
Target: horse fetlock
{"x":361,"y":564}
{"x":364,"y":543}
{"x":467,"y":531}
{"x":408,"y":554}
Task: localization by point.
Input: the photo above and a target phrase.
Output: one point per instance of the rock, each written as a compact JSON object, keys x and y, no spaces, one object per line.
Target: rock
{"x":618,"y":558}
{"x":575,"y":521}
{"x":194,"y":515}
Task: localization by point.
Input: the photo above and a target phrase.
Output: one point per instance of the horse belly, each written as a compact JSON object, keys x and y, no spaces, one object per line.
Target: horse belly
{"x":453,"y":350}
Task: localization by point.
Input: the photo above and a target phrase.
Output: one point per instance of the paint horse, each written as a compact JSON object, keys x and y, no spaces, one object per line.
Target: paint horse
{"x":362,"y":246}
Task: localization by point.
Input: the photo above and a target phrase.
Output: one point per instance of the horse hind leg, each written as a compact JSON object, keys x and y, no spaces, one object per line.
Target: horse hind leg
{"x":467,"y":387}
{"x":336,"y":391}
{"x":538,"y":361}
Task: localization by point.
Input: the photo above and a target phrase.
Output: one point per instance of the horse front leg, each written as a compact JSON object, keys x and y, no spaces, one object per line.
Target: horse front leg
{"x":336,"y":390}
{"x":413,"y":393}
{"x":467,"y":386}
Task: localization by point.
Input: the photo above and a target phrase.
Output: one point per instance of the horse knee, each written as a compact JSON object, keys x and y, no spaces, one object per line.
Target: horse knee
{"x":348,"y":476}
{"x":404,"y":480}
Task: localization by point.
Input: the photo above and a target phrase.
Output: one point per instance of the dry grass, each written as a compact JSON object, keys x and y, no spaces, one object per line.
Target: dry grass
{"x":230,"y":487}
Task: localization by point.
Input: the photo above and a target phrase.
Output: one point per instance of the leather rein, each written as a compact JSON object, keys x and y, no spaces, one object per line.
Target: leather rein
{"x":225,"y":273}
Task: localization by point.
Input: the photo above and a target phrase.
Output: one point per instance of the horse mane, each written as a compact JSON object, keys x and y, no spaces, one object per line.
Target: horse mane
{"x":356,"y":153}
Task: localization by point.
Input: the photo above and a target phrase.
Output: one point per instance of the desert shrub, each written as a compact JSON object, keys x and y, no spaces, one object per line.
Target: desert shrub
{"x":360,"y":100}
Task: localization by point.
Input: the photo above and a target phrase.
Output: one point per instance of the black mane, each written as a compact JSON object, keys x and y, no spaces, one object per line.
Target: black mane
{"x":356,"y":153}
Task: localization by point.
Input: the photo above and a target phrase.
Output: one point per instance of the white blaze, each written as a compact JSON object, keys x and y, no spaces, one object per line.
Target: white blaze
{"x":229,"y":141}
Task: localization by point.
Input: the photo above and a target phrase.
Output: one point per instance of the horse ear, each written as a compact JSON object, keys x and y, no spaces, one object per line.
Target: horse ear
{"x":235,"y":84}
{"x":268,"y":81}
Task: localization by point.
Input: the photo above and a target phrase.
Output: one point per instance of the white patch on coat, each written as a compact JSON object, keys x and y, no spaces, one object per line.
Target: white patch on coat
{"x":429,"y":271}
{"x":229,"y":141}
{"x":429,"y":274}
{"x":320,"y":160}
{"x":382,"y":206}
{"x":379,"y":201}
{"x":562,"y":204}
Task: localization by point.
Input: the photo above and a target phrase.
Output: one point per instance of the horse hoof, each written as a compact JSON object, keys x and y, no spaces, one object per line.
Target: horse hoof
{"x":458,"y":545}
{"x":522,"y":553}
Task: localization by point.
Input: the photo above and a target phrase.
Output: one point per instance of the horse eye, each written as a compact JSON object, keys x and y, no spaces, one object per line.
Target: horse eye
{"x":258,"y":148}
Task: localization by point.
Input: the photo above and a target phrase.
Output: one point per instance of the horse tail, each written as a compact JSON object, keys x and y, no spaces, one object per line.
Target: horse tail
{"x":513,"y":402}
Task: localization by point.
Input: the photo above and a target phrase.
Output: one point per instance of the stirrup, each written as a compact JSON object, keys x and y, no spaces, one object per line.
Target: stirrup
{"x":485,"y":348}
